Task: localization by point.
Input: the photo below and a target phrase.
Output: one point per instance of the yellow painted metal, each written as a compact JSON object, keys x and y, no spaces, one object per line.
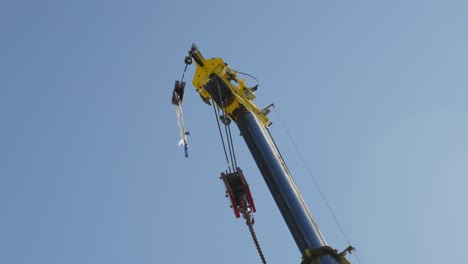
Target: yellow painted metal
{"x":242,"y":95}
{"x":312,"y":256}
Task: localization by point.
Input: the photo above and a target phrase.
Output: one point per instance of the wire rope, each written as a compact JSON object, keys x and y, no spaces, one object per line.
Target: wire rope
{"x":232,"y":143}
{"x":230,"y":146}
{"x":315,"y":181}
{"x":183,"y":74}
{"x":251,"y":76}
{"x":221,"y":135}
{"x":227,"y":129}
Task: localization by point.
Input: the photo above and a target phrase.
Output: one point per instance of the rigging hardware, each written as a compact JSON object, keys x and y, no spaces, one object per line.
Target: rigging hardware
{"x":313,"y":256}
{"x":177,"y":97}
{"x":239,"y":194}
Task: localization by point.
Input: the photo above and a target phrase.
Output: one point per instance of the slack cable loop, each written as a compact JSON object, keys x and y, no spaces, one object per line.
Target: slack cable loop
{"x":314,"y":180}
{"x":251,"y":76}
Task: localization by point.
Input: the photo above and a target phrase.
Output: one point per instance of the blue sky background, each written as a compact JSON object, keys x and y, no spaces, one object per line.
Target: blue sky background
{"x":373,"y":92}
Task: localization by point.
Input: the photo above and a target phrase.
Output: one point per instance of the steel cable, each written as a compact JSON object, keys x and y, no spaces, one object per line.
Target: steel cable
{"x":315,"y":181}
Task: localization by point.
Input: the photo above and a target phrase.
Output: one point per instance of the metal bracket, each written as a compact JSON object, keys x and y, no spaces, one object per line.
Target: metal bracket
{"x":313,"y":256}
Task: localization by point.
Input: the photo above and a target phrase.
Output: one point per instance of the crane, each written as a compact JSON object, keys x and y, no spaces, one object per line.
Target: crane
{"x":221,"y":87}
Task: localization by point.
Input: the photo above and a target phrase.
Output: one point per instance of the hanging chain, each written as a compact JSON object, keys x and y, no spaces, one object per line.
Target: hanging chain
{"x":250,"y":222}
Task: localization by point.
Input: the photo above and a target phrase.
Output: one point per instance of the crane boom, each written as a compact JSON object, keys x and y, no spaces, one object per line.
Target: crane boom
{"x":216,"y":82}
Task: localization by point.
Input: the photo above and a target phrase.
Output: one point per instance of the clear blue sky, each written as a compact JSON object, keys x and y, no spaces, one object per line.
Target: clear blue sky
{"x":374,"y":93}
